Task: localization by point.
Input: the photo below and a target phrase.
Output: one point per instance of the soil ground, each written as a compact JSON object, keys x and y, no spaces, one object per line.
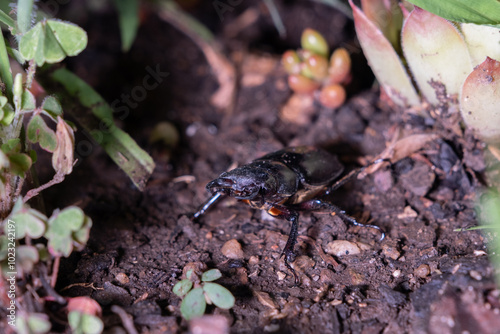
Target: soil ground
{"x":422,"y":278}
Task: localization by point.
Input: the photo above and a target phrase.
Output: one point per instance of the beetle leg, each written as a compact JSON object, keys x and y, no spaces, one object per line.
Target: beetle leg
{"x":350,"y":176}
{"x":317,"y":204}
{"x":293,"y":217}
{"x":203,"y":208}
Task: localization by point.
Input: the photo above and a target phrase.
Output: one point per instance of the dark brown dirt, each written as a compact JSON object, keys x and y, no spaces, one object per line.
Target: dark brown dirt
{"x":423,"y":278}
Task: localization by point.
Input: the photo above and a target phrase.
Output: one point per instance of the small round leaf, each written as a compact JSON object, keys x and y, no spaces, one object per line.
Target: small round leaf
{"x":38,"y":131}
{"x":219,"y":295}
{"x":182,"y":287}
{"x":52,"y":106}
{"x":211,"y":275}
{"x":194,"y":304}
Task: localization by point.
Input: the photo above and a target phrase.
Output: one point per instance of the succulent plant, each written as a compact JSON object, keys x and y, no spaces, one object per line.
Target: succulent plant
{"x":311,"y":72}
{"x":451,"y":62}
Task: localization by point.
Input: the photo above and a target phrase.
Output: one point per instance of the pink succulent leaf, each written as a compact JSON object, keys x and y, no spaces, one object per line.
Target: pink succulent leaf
{"x":482,"y":41}
{"x":387,"y":16}
{"x":436,"y":53}
{"x":480,"y":100}
{"x":384,"y":61}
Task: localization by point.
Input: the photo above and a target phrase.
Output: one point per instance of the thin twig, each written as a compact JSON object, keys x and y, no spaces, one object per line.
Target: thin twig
{"x":55,"y":271}
{"x":126,"y":318}
{"x":58,"y":178}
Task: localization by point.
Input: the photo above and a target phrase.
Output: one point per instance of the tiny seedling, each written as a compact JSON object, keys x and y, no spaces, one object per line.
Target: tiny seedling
{"x":197,"y":291}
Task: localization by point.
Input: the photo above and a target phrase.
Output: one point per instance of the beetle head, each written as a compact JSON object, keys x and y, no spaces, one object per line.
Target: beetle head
{"x":243,"y":183}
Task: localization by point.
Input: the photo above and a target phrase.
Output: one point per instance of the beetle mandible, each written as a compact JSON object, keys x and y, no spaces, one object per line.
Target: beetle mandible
{"x":283,"y":183}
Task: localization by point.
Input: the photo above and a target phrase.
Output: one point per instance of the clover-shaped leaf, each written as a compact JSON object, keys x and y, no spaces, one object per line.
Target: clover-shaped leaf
{"x":194,"y":304}
{"x":6,"y":111}
{"x":26,"y":257}
{"x":27,"y":222}
{"x":62,"y":225}
{"x":19,"y":163}
{"x":52,"y":106}
{"x":219,"y":295}
{"x":81,"y":236}
{"x":33,"y":323}
{"x":28,"y":101}
{"x":12,"y":146}
{"x":85,"y":323}
{"x":51,"y":41}
{"x":182,"y":287}
{"x":211,"y":275}
{"x":83,"y":315}
{"x":39,"y":132}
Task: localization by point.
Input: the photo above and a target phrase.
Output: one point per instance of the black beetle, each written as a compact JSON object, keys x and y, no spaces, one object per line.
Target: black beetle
{"x":284,"y":183}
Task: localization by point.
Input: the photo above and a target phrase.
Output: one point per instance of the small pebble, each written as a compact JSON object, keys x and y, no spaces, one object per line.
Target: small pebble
{"x":396,"y":273}
{"x":342,"y":248}
{"x":281,"y":275}
{"x":475,"y":275}
{"x":271,"y":328}
{"x":232,"y":250}
{"x":209,"y":324}
{"x":122,"y":278}
{"x":265,"y":299}
{"x":390,"y":252}
{"x":422,"y":271}
{"x":253,"y":260}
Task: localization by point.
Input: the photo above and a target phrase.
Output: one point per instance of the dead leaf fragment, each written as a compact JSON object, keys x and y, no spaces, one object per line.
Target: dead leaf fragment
{"x":62,"y":159}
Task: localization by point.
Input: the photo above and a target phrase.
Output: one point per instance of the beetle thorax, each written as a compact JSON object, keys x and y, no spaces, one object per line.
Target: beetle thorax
{"x":244,"y":183}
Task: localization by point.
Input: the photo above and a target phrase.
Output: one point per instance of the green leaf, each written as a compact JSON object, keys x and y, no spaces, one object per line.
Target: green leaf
{"x":211,"y":275}
{"x":81,"y":236}
{"x":8,"y":115}
{"x":6,"y":111}
{"x":24,"y":8}
{"x":5,"y":71}
{"x":33,"y":323}
{"x":85,"y":323}
{"x":477,"y":11}
{"x":26,"y":257}
{"x":18,"y":91}
{"x":182,"y":287}
{"x":12,"y":146}
{"x":71,"y":37}
{"x":120,"y":146}
{"x":28,"y":101}
{"x":52,"y":106}
{"x":61,"y":226}
{"x":19,"y":163}
{"x":51,"y":41}
{"x":194,"y":304}
{"x":7,"y":20}
{"x":91,"y":324}
{"x":219,"y":295}
{"x":39,"y":132}
{"x":128,"y":11}
{"x":28,"y":222}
